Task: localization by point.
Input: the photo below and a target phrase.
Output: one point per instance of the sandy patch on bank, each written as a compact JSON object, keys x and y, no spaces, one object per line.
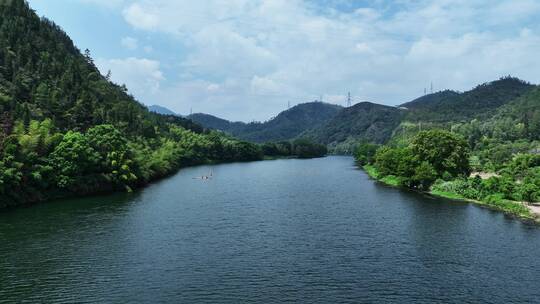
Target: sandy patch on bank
{"x":484,"y":175}
{"x":534,"y":209}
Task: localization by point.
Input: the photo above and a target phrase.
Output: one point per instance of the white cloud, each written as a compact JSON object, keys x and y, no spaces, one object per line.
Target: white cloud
{"x":142,"y":76}
{"x":129,"y":43}
{"x":105,"y":3}
{"x":264,"y":85}
{"x":244,"y":59}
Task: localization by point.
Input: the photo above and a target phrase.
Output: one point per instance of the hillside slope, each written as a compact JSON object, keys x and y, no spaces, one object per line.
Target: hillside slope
{"x":43,"y":75}
{"x":364,"y":121}
{"x":378,"y":123}
{"x":66,"y":130}
{"x":480,"y":102}
{"x":216,"y":123}
{"x":285,"y":126}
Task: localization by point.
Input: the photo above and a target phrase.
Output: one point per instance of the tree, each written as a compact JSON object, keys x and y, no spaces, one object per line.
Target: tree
{"x":365,"y":153}
{"x":445,"y":151}
{"x":394,"y":161}
{"x":115,"y":158}
{"x":303,"y":148}
{"x":72,"y":159}
{"x":424,"y":176}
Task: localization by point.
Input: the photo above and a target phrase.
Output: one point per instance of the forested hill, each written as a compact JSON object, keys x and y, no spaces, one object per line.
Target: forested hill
{"x":363,"y":121}
{"x":342,"y":128}
{"x":65,"y":129}
{"x":286,"y":125}
{"x":43,"y":75}
{"x":379,"y":124}
{"x":216,"y":123}
{"x":481,"y":101}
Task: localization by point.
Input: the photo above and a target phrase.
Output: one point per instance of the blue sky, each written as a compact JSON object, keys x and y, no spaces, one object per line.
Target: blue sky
{"x":245,"y":59}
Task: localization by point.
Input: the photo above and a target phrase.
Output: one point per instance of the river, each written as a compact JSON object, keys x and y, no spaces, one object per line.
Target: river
{"x":310,"y":231}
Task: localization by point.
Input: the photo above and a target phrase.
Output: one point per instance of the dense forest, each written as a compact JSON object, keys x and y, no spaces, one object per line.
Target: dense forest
{"x":493,"y":158}
{"x":300,"y":148}
{"x":367,"y":121}
{"x":378,"y":123}
{"x":65,"y":129}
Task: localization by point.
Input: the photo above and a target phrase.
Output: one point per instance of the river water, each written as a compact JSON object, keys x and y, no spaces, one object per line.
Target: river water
{"x":309,"y":231}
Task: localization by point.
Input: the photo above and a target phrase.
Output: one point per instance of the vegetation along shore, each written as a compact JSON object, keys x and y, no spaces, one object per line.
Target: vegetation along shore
{"x":438,"y":162}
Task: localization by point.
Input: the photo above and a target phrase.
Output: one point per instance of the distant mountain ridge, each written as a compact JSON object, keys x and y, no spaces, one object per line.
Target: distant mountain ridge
{"x":341,"y":127}
{"x":161,"y":110}
{"x":480,"y":101}
{"x":285,"y":126}
{"x":377,"y":123}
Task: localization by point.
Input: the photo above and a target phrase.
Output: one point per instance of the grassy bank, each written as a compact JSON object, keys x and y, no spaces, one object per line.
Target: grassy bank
{"x":494,"y":202}
{"x":389,"y":180}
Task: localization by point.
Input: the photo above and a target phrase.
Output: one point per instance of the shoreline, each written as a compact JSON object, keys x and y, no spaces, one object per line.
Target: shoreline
{"x":58,"y":195}
{"x":532,"y":215}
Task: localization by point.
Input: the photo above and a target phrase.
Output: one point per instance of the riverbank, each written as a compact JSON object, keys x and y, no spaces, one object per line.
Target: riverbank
{"x":518,"y":209}
{"x":104,"y":187}
{"x":107,"y":188}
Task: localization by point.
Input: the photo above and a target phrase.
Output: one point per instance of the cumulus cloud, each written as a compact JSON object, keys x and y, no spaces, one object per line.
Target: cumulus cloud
{"x":105,"y":3}
{"x":142,"y":76}
{"x":244,"y":59}
{"x":140,"y":18}
{"x":129,"y":43}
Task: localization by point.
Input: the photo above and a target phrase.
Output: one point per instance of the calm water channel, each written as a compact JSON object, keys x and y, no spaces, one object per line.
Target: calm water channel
{"x":309,"y":231}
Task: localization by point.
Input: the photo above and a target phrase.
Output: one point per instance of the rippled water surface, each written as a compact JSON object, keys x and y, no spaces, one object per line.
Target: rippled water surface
{"x":310,"y":231}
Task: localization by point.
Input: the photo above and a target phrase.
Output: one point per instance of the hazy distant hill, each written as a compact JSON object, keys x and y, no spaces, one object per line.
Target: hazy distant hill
{"x":161,"y":110}
{"x":286,"y":125}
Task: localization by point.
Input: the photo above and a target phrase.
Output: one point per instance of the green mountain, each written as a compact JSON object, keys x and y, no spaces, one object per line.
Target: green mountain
{"x":342,"y":128}
{"x":525,"y":112}
{"x":286,"y":125}
{"x":43,"y":75}
{"x":216,"y":123}
{"x":479,"y":102}
{"x":65,"y":129}
{"x":380,"y":124}
{"x":364,"y":121}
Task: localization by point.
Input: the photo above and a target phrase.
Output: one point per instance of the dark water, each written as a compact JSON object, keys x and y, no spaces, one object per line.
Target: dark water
{"x":310,"y":231}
